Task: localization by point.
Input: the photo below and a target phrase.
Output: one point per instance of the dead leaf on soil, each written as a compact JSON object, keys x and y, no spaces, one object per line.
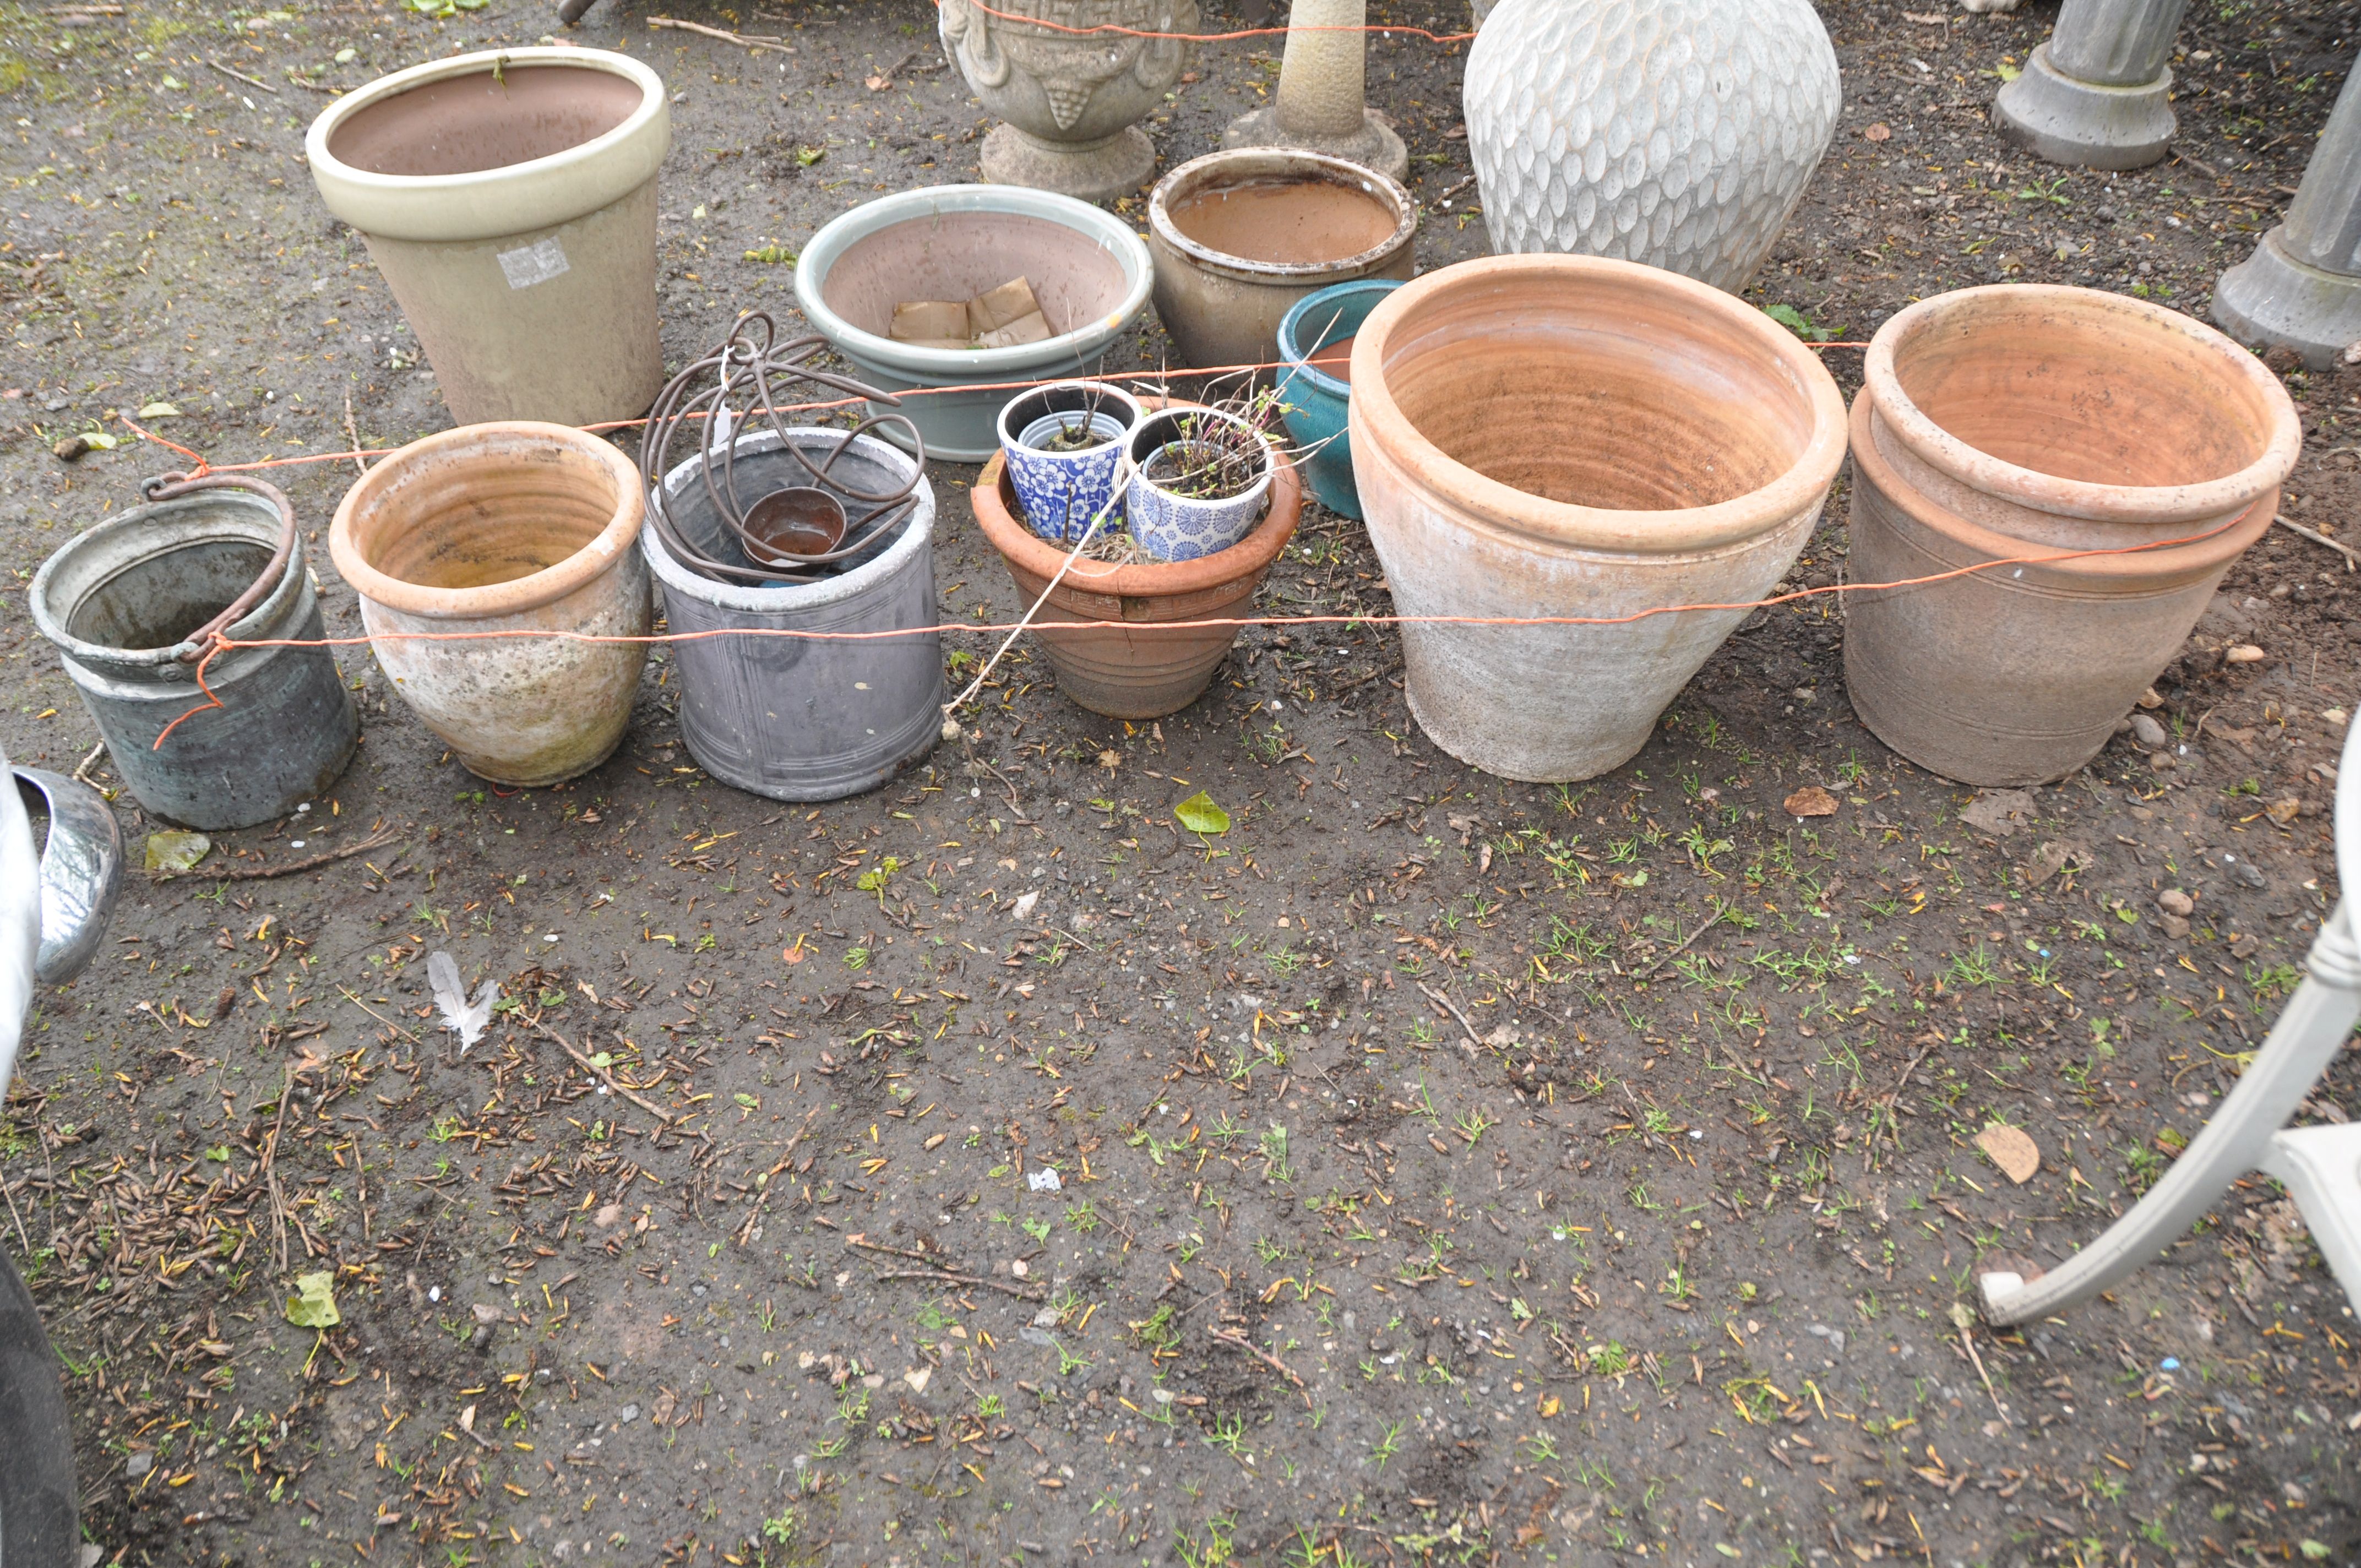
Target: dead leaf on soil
{"x":1811,"y":801}
{"x":2050,"y":857}
{"x":1999,"y":811}
{"x":1878,"y":132}
{"x":2283,"y":811}
{"x":2011,"y":1149}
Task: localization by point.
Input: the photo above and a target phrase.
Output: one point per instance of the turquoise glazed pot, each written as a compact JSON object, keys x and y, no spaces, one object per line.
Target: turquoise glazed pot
{"x":1317,"y":398}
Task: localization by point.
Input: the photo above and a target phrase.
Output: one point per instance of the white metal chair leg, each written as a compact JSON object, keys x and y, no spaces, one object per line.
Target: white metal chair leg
{"x":2321,"y":1169}
{"x":2237,"y":1139}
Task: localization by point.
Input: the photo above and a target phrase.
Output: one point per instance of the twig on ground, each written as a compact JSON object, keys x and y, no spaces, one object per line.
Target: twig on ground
{"x":380,"y":1017}
{"x":740,"y":40}
{"x":353,"y":432}
{"x":242,"y":76}
{"x":770,"y":1177}
{"x":1023,"y":1292}
{"x":2352,"y":558}
{"x":271,"y":1168}
{"x":860,"y":1239}
{"x":1966,"y":1340}
{"x":1711,"y":920}
{"x":608,"y":1079}
{"x":82,"y":770}
{"x":256,"y":873}
{"x":1869,"y":1144}
{"x":1238,"y":1341}
{"x":1449,"y":1006}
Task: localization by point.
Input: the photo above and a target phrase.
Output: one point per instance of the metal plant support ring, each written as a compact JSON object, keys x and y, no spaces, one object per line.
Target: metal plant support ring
{"x":737,"y":382}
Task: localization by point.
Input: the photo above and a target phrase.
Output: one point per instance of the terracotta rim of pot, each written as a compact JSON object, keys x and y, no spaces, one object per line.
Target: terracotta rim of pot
{"x":507,"y":199}
{"x":1234,"y":163}
{"x":996,"y":513}
{"x":2270,"y":406}
{"x":442,"y":472}
{"x":1568,"y":524}
{"x":2146,"y":566}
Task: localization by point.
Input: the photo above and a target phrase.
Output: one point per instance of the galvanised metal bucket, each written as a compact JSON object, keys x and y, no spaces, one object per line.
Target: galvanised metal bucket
{"x":121,"y":602}
{"x":791,"y":718}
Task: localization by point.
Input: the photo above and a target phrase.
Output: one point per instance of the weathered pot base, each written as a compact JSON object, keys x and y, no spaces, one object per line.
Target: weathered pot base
{"x":1374,"y":147}
{"x":1094,"y":171}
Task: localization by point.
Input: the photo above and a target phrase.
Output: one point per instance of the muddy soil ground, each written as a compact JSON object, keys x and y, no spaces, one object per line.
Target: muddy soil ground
{"x":1449,"y":1169}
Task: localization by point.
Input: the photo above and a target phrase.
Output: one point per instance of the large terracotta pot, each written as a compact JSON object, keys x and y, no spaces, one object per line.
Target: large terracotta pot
{"x":2028,"y":420}
{"x":498,"y":527}
{"x":1140,"y":669}
{"x":1560,"y":435}
{"x":1680,"y":133}
{"x":1072,"y":100}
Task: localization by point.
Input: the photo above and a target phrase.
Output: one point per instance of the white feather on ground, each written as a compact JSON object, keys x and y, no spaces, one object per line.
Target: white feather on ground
{"x":466,"y":1019}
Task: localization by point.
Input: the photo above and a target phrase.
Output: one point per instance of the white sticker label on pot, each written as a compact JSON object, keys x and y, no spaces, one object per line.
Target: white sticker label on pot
{"x":534,"y":263}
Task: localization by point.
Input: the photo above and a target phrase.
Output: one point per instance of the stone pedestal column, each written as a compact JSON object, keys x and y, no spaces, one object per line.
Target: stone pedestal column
{"x":2097,"y":95}
{"x":2302,"y":286}
{"x":1319,"y":104}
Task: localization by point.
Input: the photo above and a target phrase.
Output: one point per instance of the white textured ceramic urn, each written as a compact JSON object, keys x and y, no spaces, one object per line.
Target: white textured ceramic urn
{"x":1676,"y":133}
{"x":1072,"y":99}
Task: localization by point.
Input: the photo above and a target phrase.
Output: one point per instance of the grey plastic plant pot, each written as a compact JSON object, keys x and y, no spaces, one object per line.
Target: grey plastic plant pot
{"x":791,"y":717}
{"x":510,"y":200}
{"x":1088,"y":270}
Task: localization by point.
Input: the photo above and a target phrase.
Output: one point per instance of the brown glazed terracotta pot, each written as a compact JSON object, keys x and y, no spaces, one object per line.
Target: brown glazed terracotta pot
{"x":2027,"y":420}
{"x":511,"y":526}
{"x":1568,"y":435}
{"x":1142,"y":669}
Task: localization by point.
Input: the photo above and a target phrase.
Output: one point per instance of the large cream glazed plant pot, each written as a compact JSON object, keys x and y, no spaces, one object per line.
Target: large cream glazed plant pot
{"x":1072,"y":100}
{"x":1677,"y":133}
{"x":510,"y":200}
{"x":1538,"y":436}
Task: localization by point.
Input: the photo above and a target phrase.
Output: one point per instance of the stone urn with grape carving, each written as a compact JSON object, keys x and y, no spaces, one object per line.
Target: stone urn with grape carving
{"x":1072,"y":100}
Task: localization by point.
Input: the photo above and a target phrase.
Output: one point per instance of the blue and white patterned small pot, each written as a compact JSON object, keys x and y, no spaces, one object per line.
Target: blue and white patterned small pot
{"x":1182,"y":528}
{"x":1060,"y":492}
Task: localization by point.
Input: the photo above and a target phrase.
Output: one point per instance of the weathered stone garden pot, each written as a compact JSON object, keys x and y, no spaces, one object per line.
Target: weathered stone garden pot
{"x":1540,"y":436}
{"x":1678,"y":133}
{"x":1072,"y":102}
{"x":2028,"y":420}
{"x":507,"y":527}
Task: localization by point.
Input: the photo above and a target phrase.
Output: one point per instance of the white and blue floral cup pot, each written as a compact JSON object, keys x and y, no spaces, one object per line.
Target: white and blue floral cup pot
{"x":1060,"y":491}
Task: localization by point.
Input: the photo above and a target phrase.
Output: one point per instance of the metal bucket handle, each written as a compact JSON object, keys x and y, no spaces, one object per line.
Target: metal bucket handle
{"x":174,"y":486}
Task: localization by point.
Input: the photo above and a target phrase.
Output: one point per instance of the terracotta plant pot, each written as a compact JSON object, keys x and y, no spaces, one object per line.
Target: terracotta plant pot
{"x":1239,"y":237}
{"x":509,"y":198}
{"x":1141,"y":670}
{"x":2030,"y":419}
{"x":1561,"y":435}
{"x":514,"y":527}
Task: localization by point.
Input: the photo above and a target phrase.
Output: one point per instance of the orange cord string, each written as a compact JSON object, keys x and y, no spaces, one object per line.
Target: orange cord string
{"x":607,"y":426}
{"x":1383,"y":30}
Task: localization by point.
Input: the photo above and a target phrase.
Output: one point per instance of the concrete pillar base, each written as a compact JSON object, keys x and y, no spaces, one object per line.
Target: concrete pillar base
{"x":2272,"y":299}
{"x":1376,"y":147}
{"x":2081,"y":124}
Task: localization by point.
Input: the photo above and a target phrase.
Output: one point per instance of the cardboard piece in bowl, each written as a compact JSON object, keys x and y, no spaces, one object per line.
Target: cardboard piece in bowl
{"x":1000,"y":318}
